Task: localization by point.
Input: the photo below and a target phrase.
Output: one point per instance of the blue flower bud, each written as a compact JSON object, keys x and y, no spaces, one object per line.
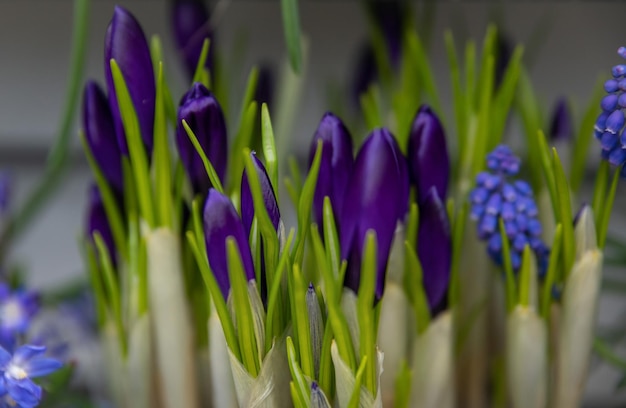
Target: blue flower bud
{"x":609,"y":103}
{"x":190,"y":25}
{"x":100,"y":135}
{"x":220,"y":222}
{"x":561,"y":127}
{"x":427,"y":154}
{"x":335,"y":165}
{"x":203,"y":114}
{"x":376,"y":197}
{"x":611,"y":85}
{"x":126,"y":43}
{"x":615,"y":122}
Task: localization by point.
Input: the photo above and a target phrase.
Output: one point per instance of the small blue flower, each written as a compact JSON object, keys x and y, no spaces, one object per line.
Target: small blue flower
{"x":496,"y":196}
{"x":16,"y":387}
{"x":17,"y":309}
{"x":609,"y":126}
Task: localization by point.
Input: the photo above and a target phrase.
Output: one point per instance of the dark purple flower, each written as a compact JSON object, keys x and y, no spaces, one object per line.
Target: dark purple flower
{"x":335,"y":165}
{"x":16,"y":385}
{"x":561,"y":127}
{"x":203,"y":114}
{"x":265,"y":86}
{"x":434,"y":248}
{"x":100,"y":134}
{"x":220,"y":222}
{"x":17,"y":309}
{"x":97,"y":221}
{"x":504,"y":52}
{"x":190,"y":24}
{"x":376,"y":198}
{"x":126,"y":43}
{"x":269,"y":197}
{"x":427,"y":155}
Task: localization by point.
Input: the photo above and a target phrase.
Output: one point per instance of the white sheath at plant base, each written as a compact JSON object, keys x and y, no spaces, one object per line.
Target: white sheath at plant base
{"x":433,"y":382}
{"x":171,"y":320}
{"x":345,"y":381}
{"x":221,"y":374}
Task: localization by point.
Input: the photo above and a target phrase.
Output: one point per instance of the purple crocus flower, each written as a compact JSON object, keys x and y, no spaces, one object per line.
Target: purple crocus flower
{"x":434,"y":248}
{"x":17,"y":309}
{"x":220,"y":222}
{"x":427,"y":155}
{"x":269,"y":197}
{"x":561,"y":127}
{"x":16,"y":385}
{"x":376,"y":198}
{"x":190,"y":24}
{"x":202,"y":112}
{"x":100,"y":134}
{"x":126,"y":43}
{"x":335,"y":165}
{"x":97,"y":221}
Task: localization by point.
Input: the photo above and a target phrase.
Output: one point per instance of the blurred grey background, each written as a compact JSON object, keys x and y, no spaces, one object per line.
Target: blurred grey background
{"x":35,"y":38}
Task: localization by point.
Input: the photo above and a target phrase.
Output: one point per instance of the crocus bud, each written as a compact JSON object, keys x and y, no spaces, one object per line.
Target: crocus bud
{"x":434,"y":248}
{"x":561,"y":127}
{"x":190,"y":25}
{"x":376,"y":197}
{"x":203,"y":114}
{"x":335,"y":165}
{"x":527,"y":359}
{"x":100,"y":134}
{"x":126,"y":43}
{"x":269,"y":198}
{"x":316,"y":326}
{"x":97,"y":221}
{"x":220,"y":222}
{"x":428,"y":154}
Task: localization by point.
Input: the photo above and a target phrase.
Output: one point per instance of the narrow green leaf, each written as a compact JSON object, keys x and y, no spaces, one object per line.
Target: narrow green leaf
{"x":548,"y":172}
{"x":485,"y":91}
{"x":458,"y":96}
{"x":458,"y":232}
{"x":302,"y":391}
{"x":269,"y":148}
{"x":525,"y":277}
{"x":528,"y":107}
{"x":136,"y":149}
{"x":331,"y":238}
{"x":403,"y":386}
{"x":291,"y":25}
{"x":511,"y":292}
{"x":607,"y":209}
{"x":600,"y":190}
{"x":365,"y":300}
{"x":360,"y":373}
{"x":302,"y":323}
{"x":551,"y":274}
{"x":201,"y":75}
{"x":504,"y":96}
{"x":242,"y":140}
{"x":210,"y":170}
{"x":327,"y":370}
{"x":424,"y":70}
{"x":95,"y":281}
{"x":162,"y":160}
{"x":470,"y":75}
{"x":371,"y":108}
{"x":420,"y":302}
{"x":566,"y":219}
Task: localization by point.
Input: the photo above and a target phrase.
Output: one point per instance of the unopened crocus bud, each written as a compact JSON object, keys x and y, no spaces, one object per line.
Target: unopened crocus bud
{"x":202,"y":112}
{"x":269,"y":197}
{"x":220,"y":222}
{"x":434,"y":248}
{"x":97,"y":221}
{"x":190,"y":25}
{"x":335,"y":165}
{"x":527,"y":358}
{"x":316,"y":326}
{"x":578,"y":314}
{"x":126,"y":43}
{"x":376,"y":198}
{"x":100,"y":134}
{"x":427,"y":154}
{"x":561,"y":128}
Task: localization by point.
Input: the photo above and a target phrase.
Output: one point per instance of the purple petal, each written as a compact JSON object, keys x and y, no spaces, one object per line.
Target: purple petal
{"x":220,"y":222}
{"x":97,"y":221}
{"x":434,"y":248}
{"x":203,"y":114}
{"x":375,"y":188}
{"x":335,"y":165}
{"x":269,"y":198}
{"x":561,"y":127}
{"x":25,"y":353}
{"x":41,"y":366}
{"x":190,"y":25}
{"x":25,"y":392}
{"x":126,"y":43}
{"x":100,"y":134}
{"x":5,"y":357}
{"x":428,"y":154}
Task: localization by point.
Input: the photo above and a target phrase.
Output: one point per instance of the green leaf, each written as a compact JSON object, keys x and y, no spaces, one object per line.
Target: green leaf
{"x":511,"y":293}
{"x":528,"y":107}
{"x":242,"y":140}
{"x":459,"y":97}
{"x":301,"y":323}
{"x":607,"y":209}
{"x":603,"y":350}
{"x":291,"y":25}
{"x":302,"y":394}
{"x":365,"y":300}
{"x":600,"y":190}
{"x":162,"y":160}
{"x":269,"y":148}
{"x":210,"y":170}
{"x":136,"y":149}
{"x":95,"y":281}
{"x":416,"y":288}
{"x":403,"y":386}
{"x":356,"y":393}
{"x":424,"y":71}
{"x":457,"y":241}
{"x":546,"y":295}
{"x":525,"y":277}
{"x":331,"y":239}
{"x":201,"y":74}
{"x":566,"y":219}
{"x":327,"y":370}
{"x":504,"y":96}
{"x":548,"y":172}
{"x":371,"y":108}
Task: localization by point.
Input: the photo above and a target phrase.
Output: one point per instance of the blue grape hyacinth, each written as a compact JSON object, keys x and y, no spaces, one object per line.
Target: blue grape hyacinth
{"x":496,"y":196}
{"x":609,"y":126}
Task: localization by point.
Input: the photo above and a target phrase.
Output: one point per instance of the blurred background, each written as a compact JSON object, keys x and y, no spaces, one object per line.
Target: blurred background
{"x":572,"y":45}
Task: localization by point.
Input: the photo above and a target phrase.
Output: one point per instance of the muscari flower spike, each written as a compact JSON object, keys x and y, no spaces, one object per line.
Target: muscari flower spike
{"x":17,"y":388}
{"x":335,"y":165}
{"x":496,"y":196}
{"x":202,"y":112}
{"x":190,"y":25}
{"x":100,"y":134}
{"x":376,"y":199}
{"x":609,"y":126}
{"x":17,"y":309}
{"x":220,"y":222}
{"x":126,"y":43}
